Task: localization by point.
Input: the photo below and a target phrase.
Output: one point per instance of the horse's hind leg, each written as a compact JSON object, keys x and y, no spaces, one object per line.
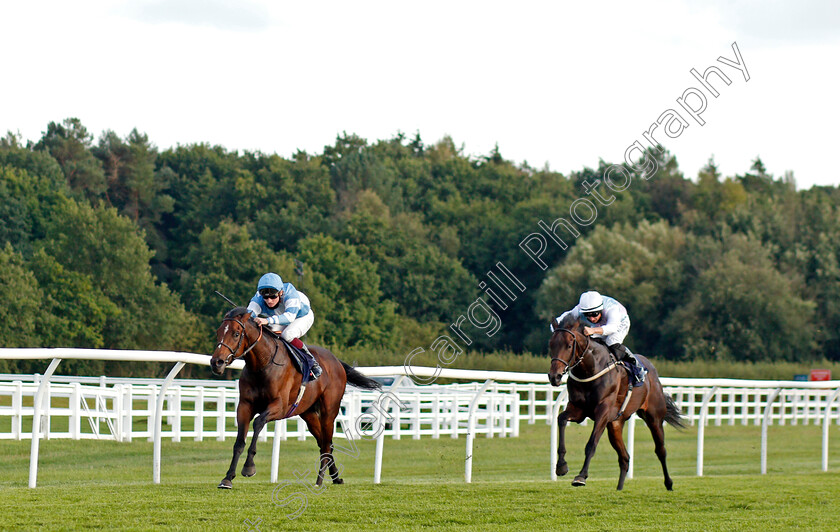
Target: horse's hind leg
{"x":316,"y":428}
{"x":328,"y":426}
{"x":614,"y":431}
{"x":658,"y":433}
{"x":243,"y":419}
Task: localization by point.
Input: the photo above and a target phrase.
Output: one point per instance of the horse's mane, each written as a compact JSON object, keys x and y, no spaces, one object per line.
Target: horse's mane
{"x":570,"y":321}
{"x":236,"y":312}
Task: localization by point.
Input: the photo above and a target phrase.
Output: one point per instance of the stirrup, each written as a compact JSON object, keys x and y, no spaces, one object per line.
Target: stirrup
{"x":316,"y":370}
{"x":639,"y":373}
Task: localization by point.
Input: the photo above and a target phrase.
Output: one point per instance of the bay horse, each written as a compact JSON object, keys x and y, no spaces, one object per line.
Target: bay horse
{"x":270,"y":388}
{"x":598,"y":389}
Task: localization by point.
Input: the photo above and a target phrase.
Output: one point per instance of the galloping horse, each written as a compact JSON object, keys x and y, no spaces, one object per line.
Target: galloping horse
{"x":270,"y":387}
{"x":598,"y":389}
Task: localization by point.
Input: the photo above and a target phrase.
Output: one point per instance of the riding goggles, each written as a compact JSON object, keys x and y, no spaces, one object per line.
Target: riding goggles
{"x":269,"y":294}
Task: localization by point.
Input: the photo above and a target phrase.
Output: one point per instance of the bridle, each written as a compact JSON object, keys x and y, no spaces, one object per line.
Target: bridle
{"x":574,"y":358}
{"x":232,"y":356}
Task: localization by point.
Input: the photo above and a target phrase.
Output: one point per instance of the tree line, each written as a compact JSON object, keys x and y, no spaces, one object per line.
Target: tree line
{"x":112,"y":243}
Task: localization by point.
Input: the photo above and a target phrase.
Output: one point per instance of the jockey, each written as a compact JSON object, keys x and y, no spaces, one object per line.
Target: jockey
{"x":608,"y":321}
{"x":288,"y":312}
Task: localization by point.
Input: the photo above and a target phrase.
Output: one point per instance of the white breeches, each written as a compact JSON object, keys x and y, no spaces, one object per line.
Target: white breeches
{"x":297,"y":328}
{"x":618,"y":336}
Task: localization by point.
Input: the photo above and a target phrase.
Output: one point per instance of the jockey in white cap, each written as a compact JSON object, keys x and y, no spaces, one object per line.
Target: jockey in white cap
{"x":607,"y":320}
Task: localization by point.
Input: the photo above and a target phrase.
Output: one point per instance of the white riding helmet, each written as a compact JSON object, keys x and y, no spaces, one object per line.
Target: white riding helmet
{"x":591,"y":302}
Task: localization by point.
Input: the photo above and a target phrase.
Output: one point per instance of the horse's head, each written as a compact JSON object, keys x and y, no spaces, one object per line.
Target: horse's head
{"x":230,"y":339}
{"x":566,"y":347}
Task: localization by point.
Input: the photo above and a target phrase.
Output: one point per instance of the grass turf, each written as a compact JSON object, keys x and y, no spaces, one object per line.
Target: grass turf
{"x":104,"y":484}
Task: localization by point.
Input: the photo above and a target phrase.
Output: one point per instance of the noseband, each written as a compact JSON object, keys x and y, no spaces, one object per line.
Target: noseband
{"x":574,"y":358}
{"x":232,"y":356}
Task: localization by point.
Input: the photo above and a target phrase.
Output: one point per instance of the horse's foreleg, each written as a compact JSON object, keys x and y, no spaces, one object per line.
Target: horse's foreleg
{"x":570,"y":413}
{"x":597,"y":430}
{"x":614,"y":430}
{"x":658,"y":433}
{"x":244,"y":412}
{"x":248,"y":468}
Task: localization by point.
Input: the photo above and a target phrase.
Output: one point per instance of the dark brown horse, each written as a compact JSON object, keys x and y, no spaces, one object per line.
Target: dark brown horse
{"x":270,"y":387}
{"x":598,"y":388}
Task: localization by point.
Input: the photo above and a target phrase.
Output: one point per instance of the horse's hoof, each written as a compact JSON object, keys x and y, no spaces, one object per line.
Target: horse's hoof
{"x":249,"y":471}
{"x":562,"y":469}
{"x":225,"y":485}
{"x":579,"y":481}
{"x":338,"y":481}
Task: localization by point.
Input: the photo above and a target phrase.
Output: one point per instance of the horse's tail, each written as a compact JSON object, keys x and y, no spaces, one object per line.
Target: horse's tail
{"x":357,"y":379}
{"x":673,"y":416}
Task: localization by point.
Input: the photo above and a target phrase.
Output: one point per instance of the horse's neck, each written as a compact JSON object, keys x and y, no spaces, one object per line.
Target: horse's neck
{"x":595,"y":359}
{"x":264,"y":352}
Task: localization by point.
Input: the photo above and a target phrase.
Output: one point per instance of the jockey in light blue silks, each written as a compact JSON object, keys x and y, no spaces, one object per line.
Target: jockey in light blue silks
{"x":287,"y":310}
{"x":607,"y":320}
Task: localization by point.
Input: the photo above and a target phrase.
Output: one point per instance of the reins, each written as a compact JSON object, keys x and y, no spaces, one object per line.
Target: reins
{"x":577,"y":360}
{"x":232,"y":356}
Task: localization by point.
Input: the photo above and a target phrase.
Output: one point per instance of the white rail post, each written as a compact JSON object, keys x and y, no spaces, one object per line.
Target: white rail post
{"x":454,"y":421}
{"x":826,"y":423}
{"x":176,"y":419}
{"x":36,"y":422}
{"x":631,"y":443}
{"x":118,"y":412}
{"x":532,"y":403}
{"x":380,"y":438}
{"x":128,"y":405}
{"x":768,"y":409}
{"x":471,"y":429}
{"x":701,"y":428}
{"x":159,"y":420}
{"x":76,"y":411}
{"x":221,"y":415}
{"x":554,"y":440}
{"x":275,"y":450}
{"x":17,"y":411}
{"x":198,"y":409}
{"x":516,"y":416}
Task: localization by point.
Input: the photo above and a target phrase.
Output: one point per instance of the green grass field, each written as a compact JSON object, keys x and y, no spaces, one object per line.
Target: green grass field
{"x":108,"y":485}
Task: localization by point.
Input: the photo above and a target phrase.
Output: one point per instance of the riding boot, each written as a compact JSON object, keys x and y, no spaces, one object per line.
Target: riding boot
{"x":637,"y":370}
{"x":316,"y":368}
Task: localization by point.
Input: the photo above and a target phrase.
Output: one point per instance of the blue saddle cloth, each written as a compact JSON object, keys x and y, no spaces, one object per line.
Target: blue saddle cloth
{"x":300,"y":360}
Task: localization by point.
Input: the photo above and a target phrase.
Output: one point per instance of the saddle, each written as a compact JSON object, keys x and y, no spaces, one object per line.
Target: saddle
{"x":623,"y":362}
{"x":300,"y":361}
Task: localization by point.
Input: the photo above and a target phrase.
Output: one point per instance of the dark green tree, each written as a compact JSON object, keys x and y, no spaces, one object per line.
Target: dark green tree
{"x":346,"y":296}
{"x":69,"y":144}
{"x":640,"y":266}
{"x":740,"y":307}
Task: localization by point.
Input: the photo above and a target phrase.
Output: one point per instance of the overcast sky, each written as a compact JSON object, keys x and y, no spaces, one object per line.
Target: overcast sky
{"x":557,"y":84}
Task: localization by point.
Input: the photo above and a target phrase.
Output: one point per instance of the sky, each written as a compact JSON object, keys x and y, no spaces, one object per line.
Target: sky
{"x":552,"y":84}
